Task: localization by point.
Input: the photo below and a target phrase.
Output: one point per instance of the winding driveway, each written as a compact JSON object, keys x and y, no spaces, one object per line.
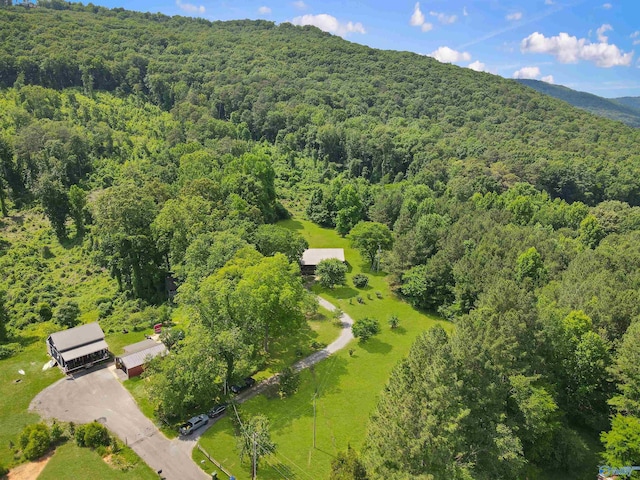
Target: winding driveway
{"x":99,"y":395}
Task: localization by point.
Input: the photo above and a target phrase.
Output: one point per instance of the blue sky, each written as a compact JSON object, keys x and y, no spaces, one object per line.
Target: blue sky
{"x":587,"y":45}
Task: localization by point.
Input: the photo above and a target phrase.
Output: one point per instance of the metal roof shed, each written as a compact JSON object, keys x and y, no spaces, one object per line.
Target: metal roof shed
{"x":313,"y":256}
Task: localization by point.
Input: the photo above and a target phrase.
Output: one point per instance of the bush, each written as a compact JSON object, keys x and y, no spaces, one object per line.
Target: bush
{"x":3,"y":470}
{"x":105,"y":309}
{"x":394,"y":321}
{"x":360,"y":280}
{"x":289,"y":382}
{"x":365,"y":328}
{"x":79,"y":435}
{"x":44,"y":311}
{"x":9,"y":349}
{"x":96,"y":435}
{"x":35,"y":440}
{"x":56,"y":432}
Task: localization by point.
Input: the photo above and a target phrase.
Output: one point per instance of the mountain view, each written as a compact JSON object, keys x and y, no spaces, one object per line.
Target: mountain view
{"x":257,"y":248}
{"x":624,"y":109}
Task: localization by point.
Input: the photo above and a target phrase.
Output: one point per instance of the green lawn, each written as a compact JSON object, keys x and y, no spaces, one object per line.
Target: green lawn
{"x":72,"y":462}
{"x":18,"y":390}
{"x":348,"y":386}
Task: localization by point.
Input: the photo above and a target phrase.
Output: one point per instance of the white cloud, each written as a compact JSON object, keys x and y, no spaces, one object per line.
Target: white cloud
{"x":449,"y":55}
{"x":478,"y":66}
{"x":443,"y":18}
{"x":547,"y":79}
{"x":514,"y":16}
{"x":300,"y":5}
{"x":330,"y":24}
{"x":527,"y":72}
{"x":601,"y":32}
{"x":607,"y":6}
{"x":464,"y":11}
{"x":636,"y":37}
{"x":264,"y":10}
{"x":569,"y":49}
{"x":417,"y":19}
{"x":190,"y":7}
{"x":548,"y":2}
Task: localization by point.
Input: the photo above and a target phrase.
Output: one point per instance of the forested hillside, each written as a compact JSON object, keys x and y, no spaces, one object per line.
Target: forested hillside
{"x":633,"y":102}
{"x":620,"y":109}
{"x":157,"y":144}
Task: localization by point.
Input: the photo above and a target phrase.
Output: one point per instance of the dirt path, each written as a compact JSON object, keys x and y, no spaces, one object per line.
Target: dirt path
{"x":346,"y":335}
{"x":31,"y":470}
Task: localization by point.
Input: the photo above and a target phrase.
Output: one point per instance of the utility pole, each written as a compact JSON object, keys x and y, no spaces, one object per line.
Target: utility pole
{"x":314,"y":419}
{"x":254,"y":475}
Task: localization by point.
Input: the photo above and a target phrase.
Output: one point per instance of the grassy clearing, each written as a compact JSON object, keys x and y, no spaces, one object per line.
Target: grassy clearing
{"x":15,"y":398}
{"x":70,"y":462}
{"x":347,"y":385}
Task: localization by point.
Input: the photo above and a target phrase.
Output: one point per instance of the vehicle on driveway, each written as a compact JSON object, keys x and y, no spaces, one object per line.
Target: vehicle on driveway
{"x":217,"y":410}
{"x":246,"y":383}
{"x":193,"y":424}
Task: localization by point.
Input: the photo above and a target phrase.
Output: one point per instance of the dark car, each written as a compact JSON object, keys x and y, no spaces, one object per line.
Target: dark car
{"x":217,"y":410}
{"x":246,"y":383}
{"x":193,"y":424}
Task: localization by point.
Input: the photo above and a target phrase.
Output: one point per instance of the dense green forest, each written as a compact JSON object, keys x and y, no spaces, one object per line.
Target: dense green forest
{"x":157,"y":144}
{"x":625,"y":109}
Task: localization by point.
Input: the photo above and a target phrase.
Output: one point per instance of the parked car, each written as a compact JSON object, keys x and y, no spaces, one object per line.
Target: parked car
{"x":193,"y":424}
{"x":246,"y":383}
{"x":217,"y":410}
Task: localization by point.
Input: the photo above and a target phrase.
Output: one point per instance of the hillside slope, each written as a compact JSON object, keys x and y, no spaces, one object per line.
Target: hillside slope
{"x":633,"y":102}
{"x":376,"y":114}
{"x":624,"y":109}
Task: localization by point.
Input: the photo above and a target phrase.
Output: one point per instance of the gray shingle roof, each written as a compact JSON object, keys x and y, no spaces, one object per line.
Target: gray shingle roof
{"x":77,"y":336}
{"x":93,"y":347}
{"x":313,"y":256}
{"x":137,"y":347}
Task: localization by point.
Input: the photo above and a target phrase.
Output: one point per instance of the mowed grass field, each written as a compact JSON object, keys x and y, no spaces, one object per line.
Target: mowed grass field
{"x":70,"y":462}
{"x":346,"y":385}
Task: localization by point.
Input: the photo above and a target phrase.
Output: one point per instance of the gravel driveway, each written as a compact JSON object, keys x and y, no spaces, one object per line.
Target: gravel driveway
{"x":99,"y":395}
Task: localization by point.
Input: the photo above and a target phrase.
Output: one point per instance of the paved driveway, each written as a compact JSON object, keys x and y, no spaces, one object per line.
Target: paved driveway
{"x":99,"y":395}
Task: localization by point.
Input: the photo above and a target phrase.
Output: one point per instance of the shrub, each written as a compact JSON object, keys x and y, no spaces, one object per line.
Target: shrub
{"x":79,"y":435}
{"x":365,"y":328}
{"x":394,"y":321}
{"x":360,"y":280}
{"x":56,"y":432}
{"x":3,"y":470}
{"x":35,"y":440}
{"x":359,"y":299}
{"x":96,"y":435}
{"x":105,"y":309}
{"x":44,"y":311}
{"x":9,"y":349}
{"x":289,"y":382}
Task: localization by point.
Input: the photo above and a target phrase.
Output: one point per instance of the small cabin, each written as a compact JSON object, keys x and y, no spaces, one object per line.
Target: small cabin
{"x":78,"y":347}
{"x":313,"y":256}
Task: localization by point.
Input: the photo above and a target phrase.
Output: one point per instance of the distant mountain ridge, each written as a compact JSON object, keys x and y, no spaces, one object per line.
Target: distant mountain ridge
{"x":624,"y":109}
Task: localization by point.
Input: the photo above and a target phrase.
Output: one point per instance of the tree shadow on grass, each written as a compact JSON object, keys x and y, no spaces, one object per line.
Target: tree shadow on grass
{"x":399,"y":330}
{"x":293,"y":224}
{"x":375,"y":346}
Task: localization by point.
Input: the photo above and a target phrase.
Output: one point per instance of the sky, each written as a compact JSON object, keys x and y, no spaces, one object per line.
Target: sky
{"x":586,"y":45}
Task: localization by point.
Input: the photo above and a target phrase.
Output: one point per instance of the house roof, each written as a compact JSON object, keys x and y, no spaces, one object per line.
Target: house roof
{"x":84,"y":350}
{"x":138,"y":358}
{"x":77,"y":337}
{"x":313,"y":256}
{"x":138,"y":347}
